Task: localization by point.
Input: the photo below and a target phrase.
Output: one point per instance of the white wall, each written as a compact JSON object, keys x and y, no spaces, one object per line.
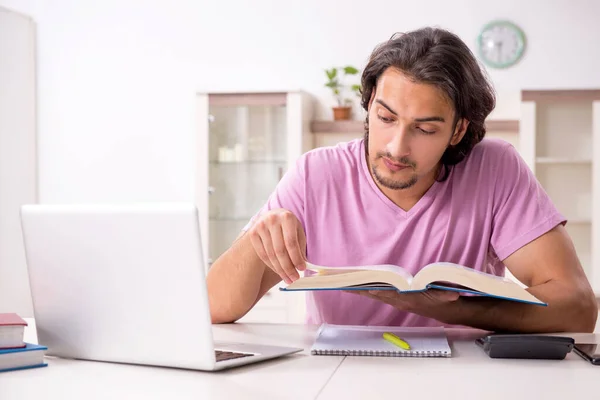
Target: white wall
{"x":18,"y":184}
{"x":117,"y":78}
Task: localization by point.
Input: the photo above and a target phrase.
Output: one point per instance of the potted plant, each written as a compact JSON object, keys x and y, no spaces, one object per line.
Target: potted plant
{"x":343,"y":107}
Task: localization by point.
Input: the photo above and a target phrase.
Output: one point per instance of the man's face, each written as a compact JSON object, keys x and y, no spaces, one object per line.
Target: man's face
{"x":410,"y":127}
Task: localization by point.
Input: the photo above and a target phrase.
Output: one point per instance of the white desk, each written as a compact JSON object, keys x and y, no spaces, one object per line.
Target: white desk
{"x":468,"y":374}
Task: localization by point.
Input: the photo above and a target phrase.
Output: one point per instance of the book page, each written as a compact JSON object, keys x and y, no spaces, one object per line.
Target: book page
{"x":347,"y":278}
{"x":322,"y":270}
{"x":463,"y":268}
{"x":478,"y":281}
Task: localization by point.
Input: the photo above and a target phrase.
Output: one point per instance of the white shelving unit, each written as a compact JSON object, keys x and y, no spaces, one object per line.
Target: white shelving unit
{"x":246,"y":142}
{"x":560,"y":141}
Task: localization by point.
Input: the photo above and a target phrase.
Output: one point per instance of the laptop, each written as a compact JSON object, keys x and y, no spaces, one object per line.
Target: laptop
{"x":126,"y":283}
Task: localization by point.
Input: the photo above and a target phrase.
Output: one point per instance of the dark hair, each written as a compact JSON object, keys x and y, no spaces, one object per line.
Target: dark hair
{"x":438,"y":57}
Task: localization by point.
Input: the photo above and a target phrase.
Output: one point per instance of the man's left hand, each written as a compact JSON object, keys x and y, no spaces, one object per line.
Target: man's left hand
{"x":431,"y":303}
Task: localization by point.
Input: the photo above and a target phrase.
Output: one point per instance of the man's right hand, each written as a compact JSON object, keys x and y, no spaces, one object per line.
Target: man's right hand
{"x":279,"y":240}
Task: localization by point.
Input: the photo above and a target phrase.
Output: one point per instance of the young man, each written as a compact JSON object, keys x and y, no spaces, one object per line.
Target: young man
{"x":422,"y":186}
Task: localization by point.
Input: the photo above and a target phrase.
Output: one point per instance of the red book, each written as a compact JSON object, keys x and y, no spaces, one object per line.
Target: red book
{"x":12,"y":329}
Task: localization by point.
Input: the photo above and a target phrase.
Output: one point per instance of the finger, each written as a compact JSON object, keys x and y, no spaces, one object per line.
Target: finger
{"x":267,"y":244}
{"x":377,"y":295}
{"x":292,"y":242}
{"x":361,"y":292}
{"x":384,"y":293}
{"x":400,"y":301}
{"x":373,"y":294}
{"x":270,"y":250}
{"x":444,"y":295}
{"x":259,"y":248}
{"x":281,"y":252}
{"x":302,"y":239}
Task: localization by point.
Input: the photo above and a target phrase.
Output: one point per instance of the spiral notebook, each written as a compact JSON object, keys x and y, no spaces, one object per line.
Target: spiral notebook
{"x":349,"y":340}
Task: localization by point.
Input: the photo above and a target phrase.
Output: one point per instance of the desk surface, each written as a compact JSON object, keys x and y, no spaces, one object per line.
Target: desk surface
{"x":468,"y":374}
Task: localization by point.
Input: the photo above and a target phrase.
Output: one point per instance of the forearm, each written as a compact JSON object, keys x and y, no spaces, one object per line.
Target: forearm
{"x":568,"y":310}
{"x":234,"y":282}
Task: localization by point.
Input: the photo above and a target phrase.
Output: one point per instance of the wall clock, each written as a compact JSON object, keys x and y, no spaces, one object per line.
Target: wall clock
{"x":501,"y":44}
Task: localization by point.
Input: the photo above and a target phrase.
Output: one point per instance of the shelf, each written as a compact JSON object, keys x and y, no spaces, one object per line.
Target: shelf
{"x":247,"y":99}
{"x":247,"y":162}
{"x":560,"y":95}
{"x":228,"y":219}
{"x":562,"y":160}
{"x":503,"y":125}
{"x":559,"y":129}
{"x":353,"y":126}
{"x":337,"y":126}
{"x":578,"y":221}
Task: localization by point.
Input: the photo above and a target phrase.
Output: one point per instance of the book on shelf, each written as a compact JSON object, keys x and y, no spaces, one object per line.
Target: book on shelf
{"x":439,"y":275}
{"x":12,"y":329}
{"x":30,"y":356}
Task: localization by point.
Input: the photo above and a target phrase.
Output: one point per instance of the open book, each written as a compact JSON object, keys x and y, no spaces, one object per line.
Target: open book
{"x":440,"y":275}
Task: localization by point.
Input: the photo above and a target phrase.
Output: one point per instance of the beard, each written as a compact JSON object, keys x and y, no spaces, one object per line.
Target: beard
{"x":393,"y":183}
{"x":382,"y":180}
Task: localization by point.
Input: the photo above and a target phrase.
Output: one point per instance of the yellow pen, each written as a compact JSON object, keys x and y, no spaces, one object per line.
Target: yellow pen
{"x":390,"y":337}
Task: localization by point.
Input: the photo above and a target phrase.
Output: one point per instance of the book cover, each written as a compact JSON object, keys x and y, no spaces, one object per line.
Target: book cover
{"x":10,"y":319}
{"x":24,"y":367}
{"x":30,"y":356}
{"x":12,"y":329}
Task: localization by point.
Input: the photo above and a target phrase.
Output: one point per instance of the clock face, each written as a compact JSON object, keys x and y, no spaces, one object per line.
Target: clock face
{"x":501,"y":44}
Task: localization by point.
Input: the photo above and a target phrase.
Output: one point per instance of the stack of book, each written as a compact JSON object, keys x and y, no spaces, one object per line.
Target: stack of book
{"x":14,"y":352}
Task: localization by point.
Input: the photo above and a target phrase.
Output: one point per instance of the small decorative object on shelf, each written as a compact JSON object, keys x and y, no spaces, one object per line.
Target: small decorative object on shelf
{"x":231,"y":154}
{"x":341,"y":91}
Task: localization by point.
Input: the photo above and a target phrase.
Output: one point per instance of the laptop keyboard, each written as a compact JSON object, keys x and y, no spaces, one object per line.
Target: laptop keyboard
{"x":221,"y":355}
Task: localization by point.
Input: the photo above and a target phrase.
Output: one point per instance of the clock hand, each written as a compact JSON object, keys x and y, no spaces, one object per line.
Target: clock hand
{"x":499,"y":51}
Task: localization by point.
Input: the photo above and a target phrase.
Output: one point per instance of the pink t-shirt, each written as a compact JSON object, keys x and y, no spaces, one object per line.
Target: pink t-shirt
{"x":490,"y":206}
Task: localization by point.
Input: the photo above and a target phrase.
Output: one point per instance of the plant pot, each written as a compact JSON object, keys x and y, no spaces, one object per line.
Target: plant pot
{"x":341,"y":113}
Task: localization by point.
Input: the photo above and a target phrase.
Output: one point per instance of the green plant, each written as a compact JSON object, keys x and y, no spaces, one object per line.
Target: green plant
{"x":338,"y":87}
